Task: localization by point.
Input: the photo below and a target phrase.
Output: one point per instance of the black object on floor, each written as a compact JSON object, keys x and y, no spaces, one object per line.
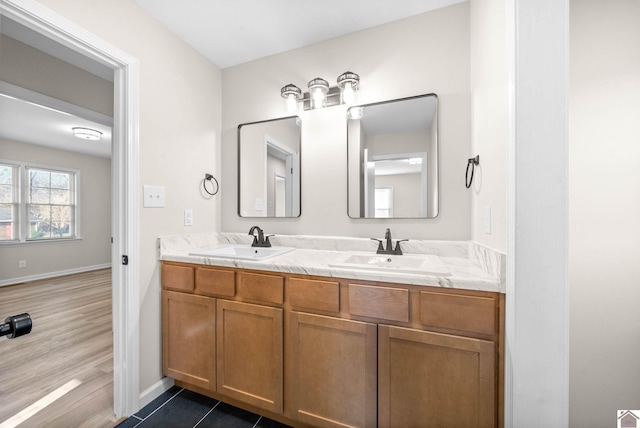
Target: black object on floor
{"x":180,"y":408}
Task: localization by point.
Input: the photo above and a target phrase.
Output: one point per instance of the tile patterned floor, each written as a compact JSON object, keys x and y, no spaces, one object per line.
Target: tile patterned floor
{"x":180,"y":408}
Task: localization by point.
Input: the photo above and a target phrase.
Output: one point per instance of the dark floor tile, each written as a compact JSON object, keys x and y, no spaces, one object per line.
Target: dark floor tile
{"x":149,"y":408}
{"x":129,"y":423}
{"x":183,"y":410}
{"x":226,"y":416}
{"x":268,"y":423}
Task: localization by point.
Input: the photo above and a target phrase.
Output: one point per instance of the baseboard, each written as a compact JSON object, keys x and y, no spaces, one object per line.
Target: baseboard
{"x":155,"y":390}
{"x":52,"y":274}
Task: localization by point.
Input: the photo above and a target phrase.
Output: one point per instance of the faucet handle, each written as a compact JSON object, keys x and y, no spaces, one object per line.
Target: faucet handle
{"x":380,"y":247}
{"x":266,"y":242}
{"x":398,"y":250}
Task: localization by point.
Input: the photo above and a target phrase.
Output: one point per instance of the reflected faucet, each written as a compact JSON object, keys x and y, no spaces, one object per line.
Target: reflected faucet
{"x":260,"y":240}
{"x":389,"y":245}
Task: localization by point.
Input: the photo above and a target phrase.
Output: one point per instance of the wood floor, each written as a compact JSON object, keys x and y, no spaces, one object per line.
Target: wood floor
{"x":71,"y":339}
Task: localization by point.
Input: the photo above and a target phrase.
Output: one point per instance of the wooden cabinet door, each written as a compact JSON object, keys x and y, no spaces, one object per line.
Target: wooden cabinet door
{"x":432,"y":379}
{"x":189,"y":338}
{"x":249,"y":359}
{"x":331,"y":377}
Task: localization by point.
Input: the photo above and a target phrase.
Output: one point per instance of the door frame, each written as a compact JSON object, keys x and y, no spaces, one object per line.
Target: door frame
{"x":124,"y":178}
{"x":536,"y":386}
{"x":292,"y":166}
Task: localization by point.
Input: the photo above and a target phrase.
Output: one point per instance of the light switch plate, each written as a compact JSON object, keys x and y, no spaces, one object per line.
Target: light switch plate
{"x":153,"y":197}
{"x":188,"y":217}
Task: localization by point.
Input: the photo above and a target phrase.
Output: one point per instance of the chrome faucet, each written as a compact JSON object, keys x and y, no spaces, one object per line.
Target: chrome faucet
{"x":389,"y":245}
{"x":260,"y":240}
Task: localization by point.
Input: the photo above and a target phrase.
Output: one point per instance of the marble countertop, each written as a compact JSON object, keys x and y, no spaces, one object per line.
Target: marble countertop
{"x":471,"y":266}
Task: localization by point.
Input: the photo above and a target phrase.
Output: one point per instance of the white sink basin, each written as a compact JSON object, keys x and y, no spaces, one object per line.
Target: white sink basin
{"x":416,"y":264}
{"x":244,"y":252}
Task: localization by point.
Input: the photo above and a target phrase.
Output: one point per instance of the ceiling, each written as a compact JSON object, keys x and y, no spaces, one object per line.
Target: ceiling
{"x":231,"y":32}
{"x":31,"y":123}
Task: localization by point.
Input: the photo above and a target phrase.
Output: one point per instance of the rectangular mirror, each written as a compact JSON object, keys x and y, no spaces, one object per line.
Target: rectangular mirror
{"x":269,"y":168}
{"x":393,"y":158}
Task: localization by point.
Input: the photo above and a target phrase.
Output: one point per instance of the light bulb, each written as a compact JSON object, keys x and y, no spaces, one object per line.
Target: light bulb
{"x":292,"y":104}
{"x":348,"y":83}
{"x":318,"y":98}
{"x":348,"y":95}
{"x":291,"y":93}
{"x":318,"y":89}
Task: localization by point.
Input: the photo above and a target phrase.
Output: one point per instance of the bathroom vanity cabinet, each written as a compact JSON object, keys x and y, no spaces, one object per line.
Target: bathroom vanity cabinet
{"x":249,"y":354}
{"x":189,"y":338}
{"x":332,"y":352}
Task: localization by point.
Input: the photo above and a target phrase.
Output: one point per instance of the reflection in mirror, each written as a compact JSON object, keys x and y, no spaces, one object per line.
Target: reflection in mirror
{"x":393,"y":158}
{"x":269,"y":168}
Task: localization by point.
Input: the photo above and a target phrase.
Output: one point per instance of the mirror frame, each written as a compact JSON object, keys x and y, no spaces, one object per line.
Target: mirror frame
{"x":297,"y":184}
{"x":437,"y":174}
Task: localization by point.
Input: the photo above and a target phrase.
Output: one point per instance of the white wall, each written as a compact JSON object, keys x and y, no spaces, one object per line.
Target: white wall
{"x":604,"y":229}
{"x":94,"y":248}
{"x":489,"y":120}
{"x":405,"y":188}
{"x":423,"y":54}
{"x":179,"y":140}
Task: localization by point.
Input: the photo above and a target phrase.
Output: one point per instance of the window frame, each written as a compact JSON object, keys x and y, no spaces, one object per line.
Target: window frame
{"x":15,"y":203}
{"x":22,"y":188}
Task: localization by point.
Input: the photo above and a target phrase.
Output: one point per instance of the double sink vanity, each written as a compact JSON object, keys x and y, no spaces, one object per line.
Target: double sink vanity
{"x":323,"y":331}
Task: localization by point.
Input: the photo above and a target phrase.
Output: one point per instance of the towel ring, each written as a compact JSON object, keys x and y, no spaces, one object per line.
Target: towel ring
{"x":212,"y":179}
{"x":472,"y":162}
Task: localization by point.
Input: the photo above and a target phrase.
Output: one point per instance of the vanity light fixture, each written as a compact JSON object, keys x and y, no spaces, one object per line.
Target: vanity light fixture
{"x":318,"y":89}
{"x":321,"y":94}
{"x":348,"y":83}
{"x":291,"y":94}
{"x":87,"y":133}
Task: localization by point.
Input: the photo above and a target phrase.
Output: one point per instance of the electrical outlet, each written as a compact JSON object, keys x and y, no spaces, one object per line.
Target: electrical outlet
{"x":22,"y":264}
{"x":188,"y":217}
{"x":153,"y":196}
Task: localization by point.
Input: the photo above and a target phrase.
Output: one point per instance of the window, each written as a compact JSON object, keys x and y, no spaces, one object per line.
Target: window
{"x":384,"y":202}
{"x":50,"y":204}
{"x":37,"y":203}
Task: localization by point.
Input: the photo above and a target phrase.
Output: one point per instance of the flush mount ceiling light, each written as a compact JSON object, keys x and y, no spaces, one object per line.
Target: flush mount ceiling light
{"x":321,"y":94}
{"x":86,"y":133}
